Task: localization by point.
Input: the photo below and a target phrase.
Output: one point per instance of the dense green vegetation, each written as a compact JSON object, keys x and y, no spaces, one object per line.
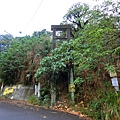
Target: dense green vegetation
{"x":93,"y":51}
{"x":20,"y":61}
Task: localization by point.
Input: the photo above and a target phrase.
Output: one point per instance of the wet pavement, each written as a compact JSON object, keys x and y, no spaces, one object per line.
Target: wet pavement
{"x":13,"y":112}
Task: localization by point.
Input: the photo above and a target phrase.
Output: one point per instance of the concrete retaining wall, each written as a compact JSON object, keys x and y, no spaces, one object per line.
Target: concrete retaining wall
{"x":19,"y":92}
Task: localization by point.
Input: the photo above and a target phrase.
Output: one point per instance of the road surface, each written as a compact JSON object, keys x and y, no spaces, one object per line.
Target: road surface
{"x":13,"y":112}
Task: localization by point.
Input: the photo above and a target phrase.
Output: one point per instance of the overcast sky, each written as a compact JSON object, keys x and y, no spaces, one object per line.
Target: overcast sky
{"x":28,"y":16}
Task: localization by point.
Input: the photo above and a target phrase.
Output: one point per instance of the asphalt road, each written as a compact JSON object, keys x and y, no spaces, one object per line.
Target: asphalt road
{"x":13,"y":112}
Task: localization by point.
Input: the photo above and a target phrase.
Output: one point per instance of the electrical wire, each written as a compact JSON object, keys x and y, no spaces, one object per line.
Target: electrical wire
{"x":34,"y":14}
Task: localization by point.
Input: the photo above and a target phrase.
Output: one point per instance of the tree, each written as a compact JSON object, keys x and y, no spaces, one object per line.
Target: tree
{"x":5,"y":41}
{"x":97,"y":43}
{"x":19,"y":62}
{"x":78,"y":15}
{"x":88,"y":52}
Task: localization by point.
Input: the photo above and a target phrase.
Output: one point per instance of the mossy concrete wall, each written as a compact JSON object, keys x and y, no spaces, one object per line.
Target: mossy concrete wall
{"x":19,"y":92}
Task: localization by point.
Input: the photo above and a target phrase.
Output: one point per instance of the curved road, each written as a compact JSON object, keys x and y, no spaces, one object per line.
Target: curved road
{"x":13,"y":112}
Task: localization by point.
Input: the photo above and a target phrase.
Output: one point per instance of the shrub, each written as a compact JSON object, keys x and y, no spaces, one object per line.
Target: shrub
{"x":105,"y":107}
{"x":33,"y":100}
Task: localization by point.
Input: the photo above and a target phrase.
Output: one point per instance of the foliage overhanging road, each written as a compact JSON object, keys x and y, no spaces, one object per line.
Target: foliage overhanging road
{"x":13,"y":112}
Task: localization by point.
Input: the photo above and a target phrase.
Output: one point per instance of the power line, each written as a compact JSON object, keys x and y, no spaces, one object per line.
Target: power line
{"x":34,"y":14}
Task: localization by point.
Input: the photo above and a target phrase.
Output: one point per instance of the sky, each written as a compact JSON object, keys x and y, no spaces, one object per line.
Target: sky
{"x":27,"y":16}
